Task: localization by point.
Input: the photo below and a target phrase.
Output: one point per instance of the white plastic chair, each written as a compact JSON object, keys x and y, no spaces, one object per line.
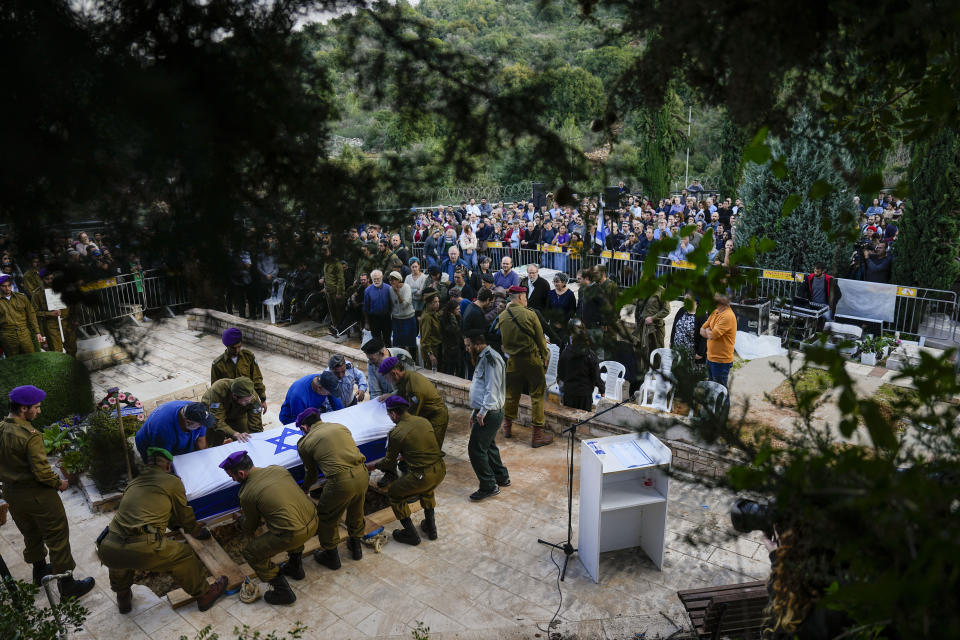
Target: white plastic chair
{"x":657,"y":389}
{"x":276,"y":298}
{"x":552,"y":386}
{"x":613,"y":374}
{"x":709,"y":399}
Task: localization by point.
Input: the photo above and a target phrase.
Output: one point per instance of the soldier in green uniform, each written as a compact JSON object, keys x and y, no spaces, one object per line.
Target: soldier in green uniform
{"x":237,"y":362}
{"x":367,"y":262}
{"x":236,"y":408}
{"x":523,"y":341}
{"x":32,"y":277}
{"x":649,"y":330}
{"x":18,"y":322}
{"x":334,"y":286}
{"x":425,"y":401}
{"x":412,"y":438}
{"x":135,"y":540}
{"x":330,"y":448}
{"x":272,"y":495}
{"x":48,"y":319}
{"x":431,"y":333}
{"x":30,"y":488}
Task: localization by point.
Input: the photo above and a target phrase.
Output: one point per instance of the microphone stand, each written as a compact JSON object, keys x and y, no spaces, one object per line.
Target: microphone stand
{"x":567,"y":547}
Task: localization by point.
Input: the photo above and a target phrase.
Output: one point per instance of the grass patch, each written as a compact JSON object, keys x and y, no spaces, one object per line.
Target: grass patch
{"x":890,"y":396}
{"x":810,"y":383}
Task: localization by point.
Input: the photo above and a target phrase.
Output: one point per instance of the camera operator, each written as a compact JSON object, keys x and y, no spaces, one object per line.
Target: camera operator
{"x":878,"y":264}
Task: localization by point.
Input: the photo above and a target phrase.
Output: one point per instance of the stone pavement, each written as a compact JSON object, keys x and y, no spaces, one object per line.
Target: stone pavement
{"x":486,"y":577}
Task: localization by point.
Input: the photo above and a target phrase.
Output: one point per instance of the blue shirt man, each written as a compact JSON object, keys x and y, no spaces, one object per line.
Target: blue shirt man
{"x":347,"y":376}
{"x":376,"y":301}
{"x":318,"y":390}
{"x":179,"y":426}
{"x":508,"y":279}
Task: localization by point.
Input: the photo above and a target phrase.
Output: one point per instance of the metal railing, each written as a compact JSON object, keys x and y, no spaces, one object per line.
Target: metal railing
{"x":130,"y":295}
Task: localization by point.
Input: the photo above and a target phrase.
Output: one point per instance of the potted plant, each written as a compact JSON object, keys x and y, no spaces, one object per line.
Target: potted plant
{"x":73,"y":463}
{"x":868,"y":351}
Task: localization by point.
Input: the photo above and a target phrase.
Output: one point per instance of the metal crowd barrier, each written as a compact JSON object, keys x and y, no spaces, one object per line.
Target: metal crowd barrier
{"x":130,"y":295}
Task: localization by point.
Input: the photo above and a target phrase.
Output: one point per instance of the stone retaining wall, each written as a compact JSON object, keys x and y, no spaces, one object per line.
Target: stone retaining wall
{"x":455,"y":391}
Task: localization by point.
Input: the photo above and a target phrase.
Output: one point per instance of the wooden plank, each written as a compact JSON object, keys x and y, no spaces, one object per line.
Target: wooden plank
{"x":216,"y":560}
{"x":718,"y":590}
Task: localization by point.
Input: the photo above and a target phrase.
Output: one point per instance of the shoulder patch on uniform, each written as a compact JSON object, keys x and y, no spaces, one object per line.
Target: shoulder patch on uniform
{"x":414,"y":400}
{"x":215,"y":405}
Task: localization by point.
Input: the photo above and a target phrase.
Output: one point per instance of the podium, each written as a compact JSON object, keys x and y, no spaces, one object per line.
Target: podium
{"x":623,"y":497}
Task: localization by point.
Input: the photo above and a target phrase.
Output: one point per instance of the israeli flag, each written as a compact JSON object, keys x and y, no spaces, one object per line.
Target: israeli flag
{"x":211,"y":492}
{"x":600,"y":237}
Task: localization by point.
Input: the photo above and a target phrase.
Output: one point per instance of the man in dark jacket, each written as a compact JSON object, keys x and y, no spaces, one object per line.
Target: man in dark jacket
{"x":578,"y":370}
{"x":878,"y":264}
{"x":537,"y":288}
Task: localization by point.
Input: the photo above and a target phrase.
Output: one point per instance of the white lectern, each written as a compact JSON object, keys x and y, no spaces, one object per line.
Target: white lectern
{"x":623,"y":497}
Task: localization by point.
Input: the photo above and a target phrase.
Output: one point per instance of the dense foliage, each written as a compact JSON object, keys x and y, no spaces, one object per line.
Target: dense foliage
{"x":22,"y":619}
{"x":66,"y":381}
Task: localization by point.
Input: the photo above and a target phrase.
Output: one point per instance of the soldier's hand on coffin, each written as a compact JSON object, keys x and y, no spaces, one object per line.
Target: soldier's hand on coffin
{"x":242,"y":437}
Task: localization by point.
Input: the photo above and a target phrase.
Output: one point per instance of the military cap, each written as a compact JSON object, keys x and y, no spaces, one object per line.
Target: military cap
{"x":42,"y":272}
{"x":515,"y":289}
{"x":242,"y":387}
{"x":233,"y":460}
{"x":394,"y":402}
{"x":231,"y":336}
{"x":387,"y":365}
{"x":153,"y":452}
{"x":5,"y":277}
{"x":307,"y":413}
{"x":27,"y":395}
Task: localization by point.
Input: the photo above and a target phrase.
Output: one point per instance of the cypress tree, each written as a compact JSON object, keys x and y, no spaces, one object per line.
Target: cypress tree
{"x":812,"y":232}
{"x":662,"y":139}
{"x":732,"y":141}
{"x":925,"y":253}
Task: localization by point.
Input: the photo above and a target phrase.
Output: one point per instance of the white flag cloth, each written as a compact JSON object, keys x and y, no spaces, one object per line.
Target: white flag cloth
{"x":211,"y":491}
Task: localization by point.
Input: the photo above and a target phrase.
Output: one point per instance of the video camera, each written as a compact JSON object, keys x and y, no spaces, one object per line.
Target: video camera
{"x":750,"y":515}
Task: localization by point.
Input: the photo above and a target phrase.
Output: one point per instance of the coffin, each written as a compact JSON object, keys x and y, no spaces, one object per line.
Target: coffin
{"x":211,"y":492}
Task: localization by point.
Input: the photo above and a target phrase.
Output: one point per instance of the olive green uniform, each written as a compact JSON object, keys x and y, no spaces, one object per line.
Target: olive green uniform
{"x":523,"y":341}
{"x":413,"y":438}
{"x":425,"y":401}
{"x":32,"y":280}
{"x":18,"y":325}
{"x":330,"y":448}
{"x":271,"y":494}
{"x":151,"y":502}
{"x":431,"y":337}
{"x":334,"y":285}
{"x":232,"y":417}
{"x":648,"y":337}
{"x":30,"y":487}
{"x":49,"y":325}
{"x":245,"y":367}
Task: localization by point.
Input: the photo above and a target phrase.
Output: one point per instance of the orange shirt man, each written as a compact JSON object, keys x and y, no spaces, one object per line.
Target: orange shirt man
{"x":720,"y":330}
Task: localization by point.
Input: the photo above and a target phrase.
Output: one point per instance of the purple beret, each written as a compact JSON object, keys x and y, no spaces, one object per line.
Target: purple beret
{"x":42,"y":272}
{"x":231,"y":336}
{"x":5,"y":277}
{"x":306,"y":413}
{"x":27,"y":395}
{"x":396,"y":401}
{"x":232,"y":460}
{"x":387,"y":365}
{"x":517,"y":289}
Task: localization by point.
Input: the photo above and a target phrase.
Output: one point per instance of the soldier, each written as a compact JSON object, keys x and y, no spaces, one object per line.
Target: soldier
{"x":431,"y":333}
{"x":334,"y":286}
{"x":420,"y":393}
{"x":523,"y":342}
{"x":330,"y":447}
{"x":30,"y":488}
{"x":376,"y":352}
{"x":135,"y":540}
{"x":271,"y":494}
{"x":412,"y":438}
{"x":648,"y":330}
{"x":236,"y":408}
{"x":18,"y":322}
{"x":237,"y":362}
{"x":48,"y":319}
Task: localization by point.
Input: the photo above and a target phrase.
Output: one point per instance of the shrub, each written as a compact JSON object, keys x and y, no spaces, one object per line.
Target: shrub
{"x":107,"y":463}
{"x":20,"y":617}
{"x":63,"y":377}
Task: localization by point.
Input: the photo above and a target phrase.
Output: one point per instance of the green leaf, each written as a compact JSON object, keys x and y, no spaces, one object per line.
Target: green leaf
{"x":819,"y":190}
{"x":779,"y":167}
{"x":790,"y":204}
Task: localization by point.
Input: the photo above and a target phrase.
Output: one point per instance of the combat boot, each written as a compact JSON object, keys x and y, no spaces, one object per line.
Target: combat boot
{"x":293,"y":567}
{"x":216,"y":590}
{"x":407,"y":535}
{"x":429,"y":524}
{"x":70,"y":588}
{"x":41,"y":569}
{"x":540,"y":439}
{"x":125,"y":600}
{"x":356,"y":549}
{"x":330,"y":558}
{"x":281,"y":592}
{"x":507,"y":428}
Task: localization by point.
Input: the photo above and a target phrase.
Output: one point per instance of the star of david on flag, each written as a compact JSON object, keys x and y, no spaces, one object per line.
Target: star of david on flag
{"x":280,"y":440}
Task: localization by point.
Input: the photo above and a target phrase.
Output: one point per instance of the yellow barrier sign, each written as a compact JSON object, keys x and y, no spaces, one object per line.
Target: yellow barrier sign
{"x":606,"y":254}
{"x":99,"y":284}
{"x":495,"y":244}
{"x":621,"y":255}
{"x":551,"y":248}
{"x":906,"y":292}
{"x":782,"y":275}
{"x":683,"y":264}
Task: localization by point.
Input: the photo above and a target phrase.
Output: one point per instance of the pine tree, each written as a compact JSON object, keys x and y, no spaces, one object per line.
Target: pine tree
{"x":662,"y":138}
{"x":732,"y":142}
{"x":812,"y":232}
{"x":926,"y":250}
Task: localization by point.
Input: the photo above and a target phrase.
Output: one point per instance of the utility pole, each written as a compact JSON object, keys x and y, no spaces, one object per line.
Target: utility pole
{"x":686,"y":173}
